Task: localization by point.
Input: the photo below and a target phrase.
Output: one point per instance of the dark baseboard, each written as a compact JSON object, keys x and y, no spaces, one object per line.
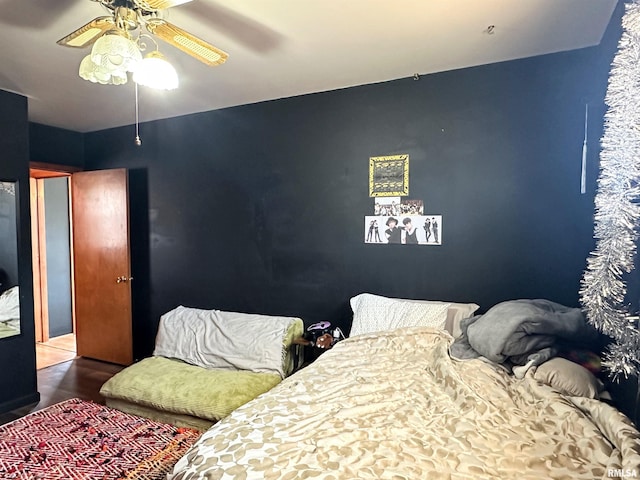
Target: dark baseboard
{"x":20,"y":402}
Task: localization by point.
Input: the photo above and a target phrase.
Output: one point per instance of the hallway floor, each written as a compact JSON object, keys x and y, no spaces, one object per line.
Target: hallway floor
{"x":56,"y":350}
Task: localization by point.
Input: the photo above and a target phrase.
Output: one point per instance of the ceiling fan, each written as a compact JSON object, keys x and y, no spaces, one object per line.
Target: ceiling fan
{"x":129,"y":15}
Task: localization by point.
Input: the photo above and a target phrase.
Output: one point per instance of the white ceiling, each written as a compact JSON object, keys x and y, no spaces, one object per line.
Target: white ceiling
{"x":281,"y":48}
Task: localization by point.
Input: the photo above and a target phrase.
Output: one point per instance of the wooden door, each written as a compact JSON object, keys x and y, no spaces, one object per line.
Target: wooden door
{"x":38,"y":260}
{"x":102,"y":270}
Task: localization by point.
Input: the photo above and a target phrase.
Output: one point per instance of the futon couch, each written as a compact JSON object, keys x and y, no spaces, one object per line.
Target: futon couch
{"x":206,"y":363}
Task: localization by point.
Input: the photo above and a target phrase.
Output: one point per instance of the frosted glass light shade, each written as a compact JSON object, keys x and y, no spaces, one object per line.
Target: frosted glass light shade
{"x":116,"y":53}
{"x":155,"y":71}
{"x":95,"y":73}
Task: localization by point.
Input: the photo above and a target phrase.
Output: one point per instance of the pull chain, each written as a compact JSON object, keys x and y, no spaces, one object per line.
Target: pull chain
{"x":138,"y":142}
{"x":583,"y":172}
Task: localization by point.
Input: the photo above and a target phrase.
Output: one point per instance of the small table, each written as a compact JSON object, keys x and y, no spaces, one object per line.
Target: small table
{"x":301,"y":345}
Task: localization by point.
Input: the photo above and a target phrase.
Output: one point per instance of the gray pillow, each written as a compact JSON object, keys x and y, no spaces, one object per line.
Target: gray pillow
{"x":569,"y":378}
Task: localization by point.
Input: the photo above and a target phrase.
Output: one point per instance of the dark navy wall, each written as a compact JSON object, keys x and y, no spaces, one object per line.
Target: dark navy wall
{"x":17,"y":354}
{"x":55,"y":146}
{"x":260,"y":208}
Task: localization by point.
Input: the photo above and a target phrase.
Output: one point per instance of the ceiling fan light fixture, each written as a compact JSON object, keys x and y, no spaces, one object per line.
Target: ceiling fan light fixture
{"x":116,"y":52}
{"x":155,"y":71}
{"x":95,"y":73}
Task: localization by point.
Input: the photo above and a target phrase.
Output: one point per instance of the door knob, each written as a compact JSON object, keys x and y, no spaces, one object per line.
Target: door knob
{"x":123,"y":278}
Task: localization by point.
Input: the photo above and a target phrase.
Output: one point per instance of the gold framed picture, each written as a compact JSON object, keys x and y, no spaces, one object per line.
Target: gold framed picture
{"x":389,"y":176}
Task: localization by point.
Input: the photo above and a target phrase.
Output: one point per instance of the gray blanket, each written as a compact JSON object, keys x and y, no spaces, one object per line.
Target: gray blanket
{"x":524,"y":332}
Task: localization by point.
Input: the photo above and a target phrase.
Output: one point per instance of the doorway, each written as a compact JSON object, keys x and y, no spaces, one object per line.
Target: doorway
{"x":81,"y":264}
{"x":52,"y":266}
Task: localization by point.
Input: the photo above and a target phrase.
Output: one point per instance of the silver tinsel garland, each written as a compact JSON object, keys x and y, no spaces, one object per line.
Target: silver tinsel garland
{"x":617,"y":212}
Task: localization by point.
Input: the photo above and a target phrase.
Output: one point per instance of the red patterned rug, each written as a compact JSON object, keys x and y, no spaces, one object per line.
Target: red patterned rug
{"x":78,"y":440}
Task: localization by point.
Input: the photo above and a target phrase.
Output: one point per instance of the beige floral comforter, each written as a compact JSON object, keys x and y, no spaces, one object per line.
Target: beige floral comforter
{"x":394,"y":405}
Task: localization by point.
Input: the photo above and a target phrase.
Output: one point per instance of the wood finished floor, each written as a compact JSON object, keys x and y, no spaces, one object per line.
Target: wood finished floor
{"x":56,"y":350}
{"x":77,"y":378}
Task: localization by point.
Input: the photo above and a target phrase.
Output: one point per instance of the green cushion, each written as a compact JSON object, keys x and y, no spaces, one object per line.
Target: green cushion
{"x":175,"y":386}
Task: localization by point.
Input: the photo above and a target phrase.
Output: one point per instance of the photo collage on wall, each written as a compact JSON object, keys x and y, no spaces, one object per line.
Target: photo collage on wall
{"x":397,"y":217}
{"x":398,"y":220}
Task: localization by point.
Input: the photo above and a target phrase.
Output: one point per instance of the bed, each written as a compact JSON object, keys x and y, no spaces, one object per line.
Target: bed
{"x":9,"y":312}
{"x":390,"y":402}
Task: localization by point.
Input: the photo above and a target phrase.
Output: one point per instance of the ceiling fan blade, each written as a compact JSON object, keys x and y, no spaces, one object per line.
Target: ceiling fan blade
{"x":87,"y":34}
{"x":186,"y":42}
{"x":152,"y":5}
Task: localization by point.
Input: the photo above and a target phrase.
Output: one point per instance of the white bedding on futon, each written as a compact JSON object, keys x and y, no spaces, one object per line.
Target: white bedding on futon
{"x":229,"y":340}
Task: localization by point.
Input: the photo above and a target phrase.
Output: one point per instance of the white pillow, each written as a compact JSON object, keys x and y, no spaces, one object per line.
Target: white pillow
{"x":373,"y":313}
{"x":229,"y":340}
{"x":456,"y":312}
{"x":10,"y":304}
